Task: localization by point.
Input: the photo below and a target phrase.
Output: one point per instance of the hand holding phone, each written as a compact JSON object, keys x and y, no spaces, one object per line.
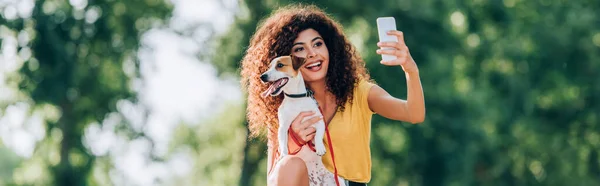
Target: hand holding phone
{"x":385,"y":24}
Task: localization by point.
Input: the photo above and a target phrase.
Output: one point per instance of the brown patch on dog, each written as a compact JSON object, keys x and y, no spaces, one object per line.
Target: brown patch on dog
{"x":297,"y":62}
{"x":287,"y":66}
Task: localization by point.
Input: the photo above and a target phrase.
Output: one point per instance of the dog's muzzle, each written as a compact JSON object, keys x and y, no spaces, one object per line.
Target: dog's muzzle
{"x":264,"y":77}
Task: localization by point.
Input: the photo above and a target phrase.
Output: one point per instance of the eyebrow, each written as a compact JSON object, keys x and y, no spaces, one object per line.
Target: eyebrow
{"x":300,"y":43}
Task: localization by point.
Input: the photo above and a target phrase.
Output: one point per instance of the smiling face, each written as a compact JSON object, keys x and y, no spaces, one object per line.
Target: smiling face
{"x":310,"y":45}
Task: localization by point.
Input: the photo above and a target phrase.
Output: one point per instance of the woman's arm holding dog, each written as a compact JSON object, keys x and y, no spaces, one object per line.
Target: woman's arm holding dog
{"x":301,"y":129}
{"x":380,"y":101}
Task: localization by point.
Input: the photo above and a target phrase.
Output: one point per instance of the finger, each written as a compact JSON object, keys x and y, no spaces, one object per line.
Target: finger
{"x":302,"y":133}
{"x":311,"y":121}
{"x":306,"y":132}
{"x":392,"y":44}
{"x":310,"y":137}
{"x":314,"y":120}
{"x":310,"y":130}
{"x":394,"y":62}
{"x":296,"y":122}
{"x":397,"y":53}
{"x":398,"y":34}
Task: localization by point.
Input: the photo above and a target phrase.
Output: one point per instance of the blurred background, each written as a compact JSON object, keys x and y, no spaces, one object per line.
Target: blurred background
{"x":146,"y":92}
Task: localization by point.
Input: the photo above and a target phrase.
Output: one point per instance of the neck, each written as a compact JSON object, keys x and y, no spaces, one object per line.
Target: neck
{"x":320,"y":90}
{"x":295,"y":85}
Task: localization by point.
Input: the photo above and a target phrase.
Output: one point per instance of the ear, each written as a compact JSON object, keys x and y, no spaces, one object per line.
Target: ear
{"x":297,"y":62}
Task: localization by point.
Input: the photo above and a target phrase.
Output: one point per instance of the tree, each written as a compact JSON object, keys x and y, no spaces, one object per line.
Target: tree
{"x":83,"y":60}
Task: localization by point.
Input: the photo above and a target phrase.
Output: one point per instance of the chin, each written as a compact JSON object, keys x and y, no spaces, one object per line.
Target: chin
{"x":314,"y":77}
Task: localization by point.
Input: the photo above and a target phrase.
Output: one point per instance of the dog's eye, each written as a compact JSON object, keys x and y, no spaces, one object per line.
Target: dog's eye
{"x":279,"y":65}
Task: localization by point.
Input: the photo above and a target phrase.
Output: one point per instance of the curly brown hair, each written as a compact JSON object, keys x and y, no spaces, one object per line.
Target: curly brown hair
{"x":274,"y":37}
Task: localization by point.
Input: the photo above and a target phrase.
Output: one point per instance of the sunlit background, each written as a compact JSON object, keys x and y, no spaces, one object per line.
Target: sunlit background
{"x":146,"y":92}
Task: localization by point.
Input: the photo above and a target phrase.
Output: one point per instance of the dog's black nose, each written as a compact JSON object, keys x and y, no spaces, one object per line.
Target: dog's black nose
{"x":264,"y":77}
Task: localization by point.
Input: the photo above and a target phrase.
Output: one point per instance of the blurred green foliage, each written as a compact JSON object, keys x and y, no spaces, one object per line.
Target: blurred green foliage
{"x":78,"y":53}
{"x":10,"y":161}
{"x":511,"y":89}
{"x":217,"y":145}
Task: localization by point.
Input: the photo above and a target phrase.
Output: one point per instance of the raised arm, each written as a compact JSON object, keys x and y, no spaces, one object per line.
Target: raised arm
{"x":411,"y":110}
{"x":380,"y":101}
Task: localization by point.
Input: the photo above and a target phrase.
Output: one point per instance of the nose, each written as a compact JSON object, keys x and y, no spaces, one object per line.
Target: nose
{"x":264,"y":77}
{"x":311,"y":53}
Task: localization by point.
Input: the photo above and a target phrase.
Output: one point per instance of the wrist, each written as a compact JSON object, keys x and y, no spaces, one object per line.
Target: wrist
{"x":414,"y":72}
{"x":294,"y":141}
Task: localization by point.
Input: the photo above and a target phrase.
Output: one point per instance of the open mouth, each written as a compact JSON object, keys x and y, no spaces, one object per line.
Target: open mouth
{"x":314,"y":66}
{"x":275,"y":88}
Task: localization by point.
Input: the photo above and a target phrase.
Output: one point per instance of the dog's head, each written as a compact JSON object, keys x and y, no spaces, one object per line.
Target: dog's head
{"x":281,"y":70}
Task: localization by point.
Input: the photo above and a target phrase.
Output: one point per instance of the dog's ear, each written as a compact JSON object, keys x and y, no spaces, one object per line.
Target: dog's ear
{"x":297,"y":62}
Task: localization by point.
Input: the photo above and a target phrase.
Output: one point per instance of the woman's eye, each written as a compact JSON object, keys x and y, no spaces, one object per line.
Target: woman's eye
{"x":298,"y":49}
{"x":279,"y":65}
{"x":318,"y":44}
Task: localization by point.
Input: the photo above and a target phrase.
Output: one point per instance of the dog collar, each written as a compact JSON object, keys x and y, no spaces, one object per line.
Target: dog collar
{"x":308,"y":93}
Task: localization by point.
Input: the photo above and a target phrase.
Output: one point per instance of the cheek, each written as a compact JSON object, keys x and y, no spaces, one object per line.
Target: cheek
{"x":324,"y":52}
{"x":303,"y":70}
{"x":326,"y":66}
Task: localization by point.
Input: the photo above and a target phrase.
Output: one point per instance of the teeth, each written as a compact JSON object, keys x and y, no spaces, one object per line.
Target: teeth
{"x":313,"y":65}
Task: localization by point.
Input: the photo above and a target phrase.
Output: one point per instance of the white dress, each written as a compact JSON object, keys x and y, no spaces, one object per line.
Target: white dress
{"x":317,"y":173}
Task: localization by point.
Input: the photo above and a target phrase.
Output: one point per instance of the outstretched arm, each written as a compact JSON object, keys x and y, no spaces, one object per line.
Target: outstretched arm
{"x":411,"y":110}
{"x":380,"y":101}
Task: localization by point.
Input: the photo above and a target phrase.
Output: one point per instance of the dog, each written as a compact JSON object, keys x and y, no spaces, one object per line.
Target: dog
{"x":284,"y":73}
{"x":286,"y":77}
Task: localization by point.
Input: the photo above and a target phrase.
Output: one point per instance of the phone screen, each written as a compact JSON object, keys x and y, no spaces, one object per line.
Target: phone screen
{"x":385,"y":24}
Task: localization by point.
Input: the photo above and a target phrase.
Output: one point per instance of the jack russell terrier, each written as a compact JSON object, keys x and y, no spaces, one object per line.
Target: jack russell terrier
{"x":285,"y":74}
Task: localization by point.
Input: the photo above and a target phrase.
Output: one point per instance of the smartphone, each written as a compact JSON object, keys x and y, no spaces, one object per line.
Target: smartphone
{"x":385,"y":24}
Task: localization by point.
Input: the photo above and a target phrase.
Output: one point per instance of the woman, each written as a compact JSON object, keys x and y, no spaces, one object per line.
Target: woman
{"x":335,"y":72}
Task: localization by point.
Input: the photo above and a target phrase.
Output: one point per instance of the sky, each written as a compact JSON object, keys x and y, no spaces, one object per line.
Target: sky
{"x":176,"y":86}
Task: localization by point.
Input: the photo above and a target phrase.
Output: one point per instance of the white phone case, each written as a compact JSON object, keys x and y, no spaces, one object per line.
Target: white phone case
{"x":385,"y":24}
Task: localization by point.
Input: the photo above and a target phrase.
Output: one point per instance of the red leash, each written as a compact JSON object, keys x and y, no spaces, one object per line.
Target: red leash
{"x":337,"y":182}
{"x":298,"y":141}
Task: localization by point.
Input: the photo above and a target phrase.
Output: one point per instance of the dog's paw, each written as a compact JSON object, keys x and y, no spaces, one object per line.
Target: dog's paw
{"x":320,"y":150}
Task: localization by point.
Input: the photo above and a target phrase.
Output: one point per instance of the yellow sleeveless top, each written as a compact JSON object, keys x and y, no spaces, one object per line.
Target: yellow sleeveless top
{"x":350,"y":135}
